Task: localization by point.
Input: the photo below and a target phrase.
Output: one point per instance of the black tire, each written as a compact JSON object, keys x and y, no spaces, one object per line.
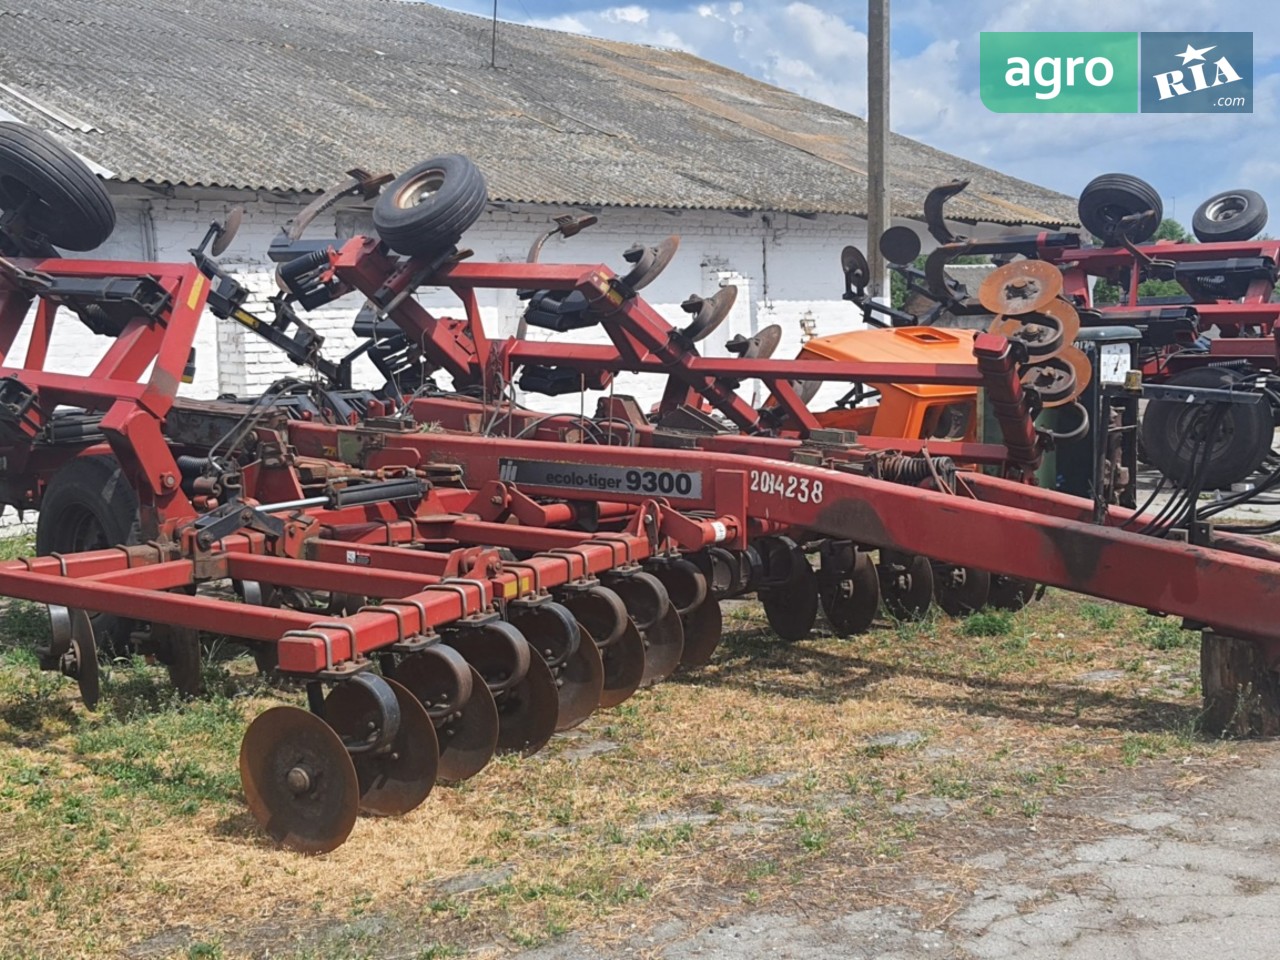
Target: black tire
{"x":70,"y":206}
{"x":89,"y":505}
{"x":1230,"y":217}
{"x":1243,"y":438}
{"x":426,"y":209}
{"x":1112,"y":196}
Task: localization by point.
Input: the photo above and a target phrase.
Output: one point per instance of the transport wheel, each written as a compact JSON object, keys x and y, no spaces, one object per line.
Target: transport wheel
{"x":1107,"y":199}
{"x":299,"y":781}
{"x":1010,"y":593}
{"x":960,"y":590}
{"x":460,"y":705}
{"x":1229,"y":217}
{"x":57,"y":193}
{"x":427,"y":209}
{"x":906,"y":584}
{"x":1173,"y":433}
{"x":396,"y":772}
{"x":89,"y":505}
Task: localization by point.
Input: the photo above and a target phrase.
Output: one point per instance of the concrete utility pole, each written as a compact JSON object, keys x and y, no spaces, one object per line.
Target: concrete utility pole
{"x":877,"y":140}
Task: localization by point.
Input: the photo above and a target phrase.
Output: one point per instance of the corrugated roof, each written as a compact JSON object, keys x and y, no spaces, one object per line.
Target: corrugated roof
{"x":289,"y":94}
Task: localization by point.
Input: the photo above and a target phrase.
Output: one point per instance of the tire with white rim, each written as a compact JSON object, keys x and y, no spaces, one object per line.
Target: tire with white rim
{"x":1230,"y":217}
{"x":426,"y":209}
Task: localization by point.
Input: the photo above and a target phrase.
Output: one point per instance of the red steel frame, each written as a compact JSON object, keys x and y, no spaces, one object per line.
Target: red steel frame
{"x":992,"y":524}
{"x":1254,"y":310}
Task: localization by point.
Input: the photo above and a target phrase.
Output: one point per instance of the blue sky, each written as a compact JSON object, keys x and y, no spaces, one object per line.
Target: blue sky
{"x":818,"y":48}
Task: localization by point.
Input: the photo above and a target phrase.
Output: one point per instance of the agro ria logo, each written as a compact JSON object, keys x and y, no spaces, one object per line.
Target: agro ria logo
{"x":1178,"y":83}
{"x":1197,"y":72}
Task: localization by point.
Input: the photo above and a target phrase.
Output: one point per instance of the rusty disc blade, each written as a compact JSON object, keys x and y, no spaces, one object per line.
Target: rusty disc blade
{"x":651,"y":263}
{"x":397,"y":778}
{"x":623,"y":666}
{"x":439,"y":677}
{"x":600,"y":611}
{"x":851,"y":599}
{"x":1044,"y":332}
{"x":185,"y":660}
{"x":703,"y":627}
{"x":581,"y":683}
{"x":527,"y":712}
{"x":663,"y":647}
{"x":792,"y":606}
{"x":1059,"y":380}
{"x":685,"y":583}
{"x":960,"y":591}
{"x":299,"y":781}
{"x":906,"y":584}
{"x":764,"y":343}
{"x":83,"y":657}
{"x":469,"y":739}
{"x":466,"y":727}
{"x":498,"y":650}
{"x":1010,"y":593}
{"x":1020,"y":287}
{"x":645,"y":597}
{"x":1065,"y":314}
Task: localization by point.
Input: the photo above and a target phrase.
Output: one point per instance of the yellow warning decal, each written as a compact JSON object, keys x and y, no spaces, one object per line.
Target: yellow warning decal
{"x":197,"y":288}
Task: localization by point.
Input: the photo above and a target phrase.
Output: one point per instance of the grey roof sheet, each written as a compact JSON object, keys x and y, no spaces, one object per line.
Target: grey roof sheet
{"x":289,"y":94}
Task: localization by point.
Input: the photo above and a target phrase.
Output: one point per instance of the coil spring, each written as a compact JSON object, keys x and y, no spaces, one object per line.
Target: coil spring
{"x":900,"y":468}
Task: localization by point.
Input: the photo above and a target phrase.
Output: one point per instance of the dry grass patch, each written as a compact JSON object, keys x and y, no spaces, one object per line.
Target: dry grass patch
{"x":841,"y":768}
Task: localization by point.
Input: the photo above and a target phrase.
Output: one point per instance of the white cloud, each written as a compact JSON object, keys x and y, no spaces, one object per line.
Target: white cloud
{"x":629,"y":14}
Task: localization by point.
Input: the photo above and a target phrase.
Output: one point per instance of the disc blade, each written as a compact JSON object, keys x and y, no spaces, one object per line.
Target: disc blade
{"x":466,"y":727}
{"x":960,"y":591}
{"x":299,"y":781}
{"x":185,"y":660}
{"x":397,"y":778}
{"x":1010,"y":593}
{"x":792,"y":607}
{"x":703,"y":628}
{"x":644,"y":595}
{"x":527,"y":711}
{"x":581,"y":683}
{"x":851,"y":599}
{"x":663,"y":646}
{"x":84,"y":654}
{"x":623,"y":666}
{"x":685,"y":583}
{"x":906,"y":584}
{"x":600,"y":611}
{"x":1020,"y":287}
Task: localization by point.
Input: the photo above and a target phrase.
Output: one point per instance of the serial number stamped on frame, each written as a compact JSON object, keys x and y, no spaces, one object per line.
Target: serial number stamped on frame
{"x":800,"y":489}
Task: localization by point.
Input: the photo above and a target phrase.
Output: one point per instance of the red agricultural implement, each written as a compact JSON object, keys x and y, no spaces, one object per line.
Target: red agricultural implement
{"x":1214,"y":332}
{"x":452,"y":575}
